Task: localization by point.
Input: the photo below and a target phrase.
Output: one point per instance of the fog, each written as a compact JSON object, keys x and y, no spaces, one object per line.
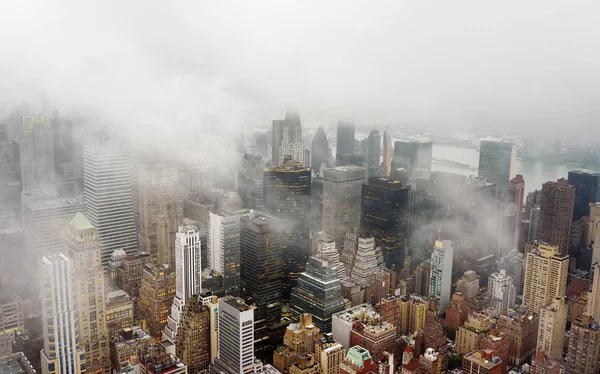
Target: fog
{"x":157,"y":69}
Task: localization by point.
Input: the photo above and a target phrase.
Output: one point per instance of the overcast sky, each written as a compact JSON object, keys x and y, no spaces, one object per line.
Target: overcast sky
{"x":216,"y":64}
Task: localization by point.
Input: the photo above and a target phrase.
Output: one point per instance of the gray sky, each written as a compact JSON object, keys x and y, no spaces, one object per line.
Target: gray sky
{"x":211,"y":65}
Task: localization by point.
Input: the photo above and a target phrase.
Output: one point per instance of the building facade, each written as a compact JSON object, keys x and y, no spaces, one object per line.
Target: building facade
{"x":192,"y":344}
{"x":440,"y":277}
{"x":546,"y":271}
{"x":556,"y":212}
{"x":156,"y":297}
{"x":224,"y":247}
{"x":551,"y":331}
{"x":36,"y":153}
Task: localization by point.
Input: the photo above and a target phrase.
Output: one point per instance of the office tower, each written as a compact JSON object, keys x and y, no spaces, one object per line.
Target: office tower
{"x":44,"y":222}
{"x":422,"y":274}
{"x":385,"y":216}
{"x":413,"y":312}
{"x":37,"y":154}
{"x":556,"y":212}
{"x":440,"y":277}
{"x":411,"y":159}
{"x":587,"y":191}
{"x":261,"y":267}
{"x":368,"y":259}
{"x":119,"y":312}
{"x":83,"y":248}
{"x":62,"y":353}
{"x":349,"y":249}
{"x":516,"y":191}
{"x":318,"y":293}
{"x":584,"y":346}
{"x":546,"y":273}
{"x":287,"y":139}
{"x":324,"y":245}
{"x":345,"y":138}
{"x":551,"y":331}
{"x":129,"y":342}
{"x":342,"y":187}
{"x":156,"y":297}
{"x":286,"y":192}
{"x":329,"y":354}
{"x":374,"y":153}
{"x":593,"y":298}
{"x":320,"y":150}
{"x":12,"y":320}
{"x":160,"y":194}
{"x":188,"y":275}
{"x":496,"y":163}
{"x":457,"y":312}
{"x":387,"y":154}
{"x":167,"y":225}
{"x":236,"y":337}
{"x":195,"y":177}
{"x":108,"y":194}
{"x":193,"y":335}
{"x":129,"y":275}
{"x":316,"y":204}
{"x":469,"y":284}
{"x":541,"y":364}
{"x":484,"y":361}
{"x":64,"y":136}
{"x":358,"y":361}
{"x":224,"y":247}
{"x":384,"y":283}
{"x":502,"y":291}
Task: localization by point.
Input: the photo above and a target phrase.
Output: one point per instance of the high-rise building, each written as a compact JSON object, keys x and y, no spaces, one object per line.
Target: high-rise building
{"x":193,"y":335}
{"x":195,"y":177}
{"x":551,"y":331}
{"x":44,"y":222}
{"x":593,"y":299}
{"x":261,"y":270}
{"x":440,"y":277}
{"x":469,"y":284}
{"x":329,"y":354}
{"x":12,"y":320}
{"x":167,"y":226}
{"x":516,"y":191}
{"x":83,"y":247}
{"x":521,"y":330}
{"x":374,"y":153}
{"x":320,"y":150}
{"x":318,"y":293}
{"x":62,"y":353}
{"x":236,"y":337}
{"x":324,"y":245}
{"x":387,"y":154}
{"x":286,"y":192}
{"x":587,"y":191}
{"x":546,"y":273}
{"x":345,"y":138}
{"x":224,"y":247}
{"x":541,"y":364}
{"x":496,"y":163}
{"x":485,"y":361}
{"x":412,"y":159}
{"x":457,"y":312}
{"x":502,"y":291}
{"x":375,"y":336}
{"x":109,"y":196}
{"x":159,"y":194}
{"x":471,"y":335}
{"x":368,"y":259}
{"x":385,"y":216}
{"x":37,"y":154}
{"x":156,"y":297}
{"x":119,"y":312}
{"x":384,"y":283}
{"x":188,"y":275}
{"x":342,"y":188}
{"x":287,"y":138}
{"x":212,"y":302}
{"x":129,"y":275}
{"x":584,"y":346}
{"x":129,"y":342}
{"x":556,"y":212}
{"x":422,"y":274}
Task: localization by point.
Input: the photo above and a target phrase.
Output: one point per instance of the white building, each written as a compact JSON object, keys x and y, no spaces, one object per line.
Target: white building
{"x":62,"y":353}
{"x":224,"y":247}
{"x":502,"y":291}
{"x":188,"y":275}
{"x":440,"y":275}
{"x":37,"y":153}
{"x":108,"y":195}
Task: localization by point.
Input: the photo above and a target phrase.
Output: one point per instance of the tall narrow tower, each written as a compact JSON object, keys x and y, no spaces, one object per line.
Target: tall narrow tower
{"x":37,"y":154}
{"x":388,"y":149}
{"x":556,"y":212}
{"x":440,"y":277}
{"x":83,"y":247}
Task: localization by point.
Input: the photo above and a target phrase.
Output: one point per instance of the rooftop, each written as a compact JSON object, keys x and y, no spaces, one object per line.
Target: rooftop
{"x":80,"y":222}
{"x":16,"y":363}
{"x":358,"y":355}
{"x":53,"y":203}
{"x":359,"y":312}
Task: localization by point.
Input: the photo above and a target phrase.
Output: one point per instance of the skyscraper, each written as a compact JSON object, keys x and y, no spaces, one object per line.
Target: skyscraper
{"x":36,"y":154}
{"x":516,"y":188}
{"x":318,"y":293}
{"x":593,"y":299}
{"x":587,"y":191}
{"x":440,"y":277}
{"x":385,"y":216}
{"x":108,"y":195}
{"x":287,"y":192}
{"x":546,"y":273}
{"x":345,"y":138}
{"x":193,"y":336}
{"x":188,"y":275}
{"x":556,"y":212}
{"x":167,"y":226}
{"x":320,"y":150}
{"x":83,"y":247}
{"x":287,"y":139}
{"x":584,"y":346}
{"x":411,"y":160}
{"x":551,"y":331}
{"x":156,"y":298}
{"x":502,"y":291}
{"x":324,"y":245}
{"x":12,"y":319}
{"x":224,"y":247}
{"x":341,"y":200}
{"x":374,"y":153}
{"x":496,"y":162}
{"x":387,"y":154}
{"x":62,"y":353}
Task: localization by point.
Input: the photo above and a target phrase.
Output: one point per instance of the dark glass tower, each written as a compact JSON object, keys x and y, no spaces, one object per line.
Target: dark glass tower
{"x":320,"y":150}
{"x":319,"y":293}
{"x":385,"y":216}
{"x":587,"y":190}
{"x":345,"y":138}
{"x":261,"y":267}
{"x":286,"y":193}
{"x":411,"y":156}
{"x":374,"y":153}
